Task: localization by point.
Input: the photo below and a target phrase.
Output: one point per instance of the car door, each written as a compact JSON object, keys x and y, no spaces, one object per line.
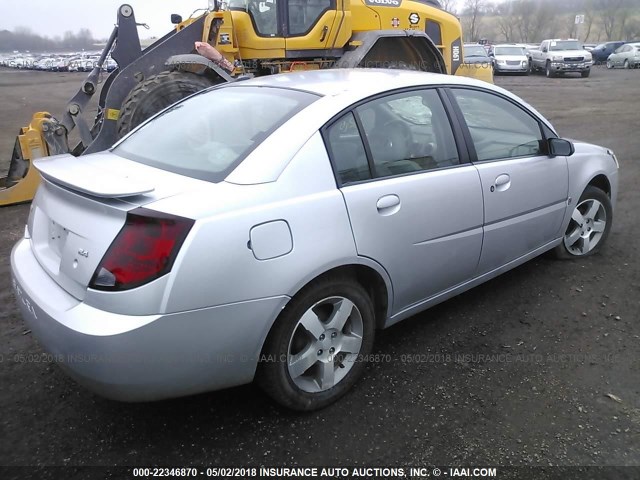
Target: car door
{"x":311,"y":24}
{"x":618,"y":56}
{"x":525,"y":190}
{"x":415,"y":206}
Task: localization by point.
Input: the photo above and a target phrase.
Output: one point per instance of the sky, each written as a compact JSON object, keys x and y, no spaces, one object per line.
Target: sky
{"x":52,"y":18}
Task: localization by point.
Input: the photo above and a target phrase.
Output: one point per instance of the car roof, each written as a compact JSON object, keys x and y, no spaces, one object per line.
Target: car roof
{"x":361,"y":81}
{"x":339,"y":89}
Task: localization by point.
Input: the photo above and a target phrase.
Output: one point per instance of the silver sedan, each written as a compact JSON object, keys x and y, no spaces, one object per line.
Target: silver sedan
{"x":625,"y":56}
{"x":265,"y":229}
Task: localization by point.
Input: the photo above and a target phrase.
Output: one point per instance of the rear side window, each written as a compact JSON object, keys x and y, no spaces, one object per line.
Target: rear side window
{"x":347,"y":150}
{"x":208,"y":135}
{"x":408,"y":132}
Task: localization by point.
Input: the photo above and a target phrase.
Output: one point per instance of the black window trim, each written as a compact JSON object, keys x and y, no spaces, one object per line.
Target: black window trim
{"x":544,"y":129}
{"x":463,"y":155}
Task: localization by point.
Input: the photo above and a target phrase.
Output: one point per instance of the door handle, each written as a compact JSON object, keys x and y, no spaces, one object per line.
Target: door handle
{"x":325,"y":30}
{"x":388,"y":205}
{"x":502,"y":183}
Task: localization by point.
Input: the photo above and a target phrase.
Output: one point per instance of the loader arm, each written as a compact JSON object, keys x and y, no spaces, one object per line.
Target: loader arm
{"x":47,"y":135}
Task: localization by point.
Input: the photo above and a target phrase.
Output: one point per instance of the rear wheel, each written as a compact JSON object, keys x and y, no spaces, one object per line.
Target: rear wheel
{"x":313,"y":355}
{"x":589,"y":226}
{"x":155,"y":94}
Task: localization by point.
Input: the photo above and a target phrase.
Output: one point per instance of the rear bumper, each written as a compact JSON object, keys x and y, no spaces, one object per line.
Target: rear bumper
{"x":141,"y":358}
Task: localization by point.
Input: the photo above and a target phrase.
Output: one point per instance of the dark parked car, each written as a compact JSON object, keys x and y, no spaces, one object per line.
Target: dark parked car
{"x":602,"y":51}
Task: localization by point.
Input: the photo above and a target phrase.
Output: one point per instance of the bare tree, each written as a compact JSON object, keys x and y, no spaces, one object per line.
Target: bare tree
{"x":632,"y":29}
{"x":506,"y":20}
{"x":449,"y":5}
{"x":612,"y":12}
{"x":472,"y":14}
{"x":589,"y":18}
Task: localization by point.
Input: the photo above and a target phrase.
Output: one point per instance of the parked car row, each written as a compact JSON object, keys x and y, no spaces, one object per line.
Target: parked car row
{"x":554,"y":57}
{"x":61,"y":63}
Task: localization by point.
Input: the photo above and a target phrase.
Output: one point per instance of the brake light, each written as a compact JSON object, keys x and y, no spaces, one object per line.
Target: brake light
{"x":144,"y":250}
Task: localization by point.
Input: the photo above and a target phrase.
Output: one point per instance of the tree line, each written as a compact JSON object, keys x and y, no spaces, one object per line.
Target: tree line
{"x":530,"y":21}
{"x":23,"y":39}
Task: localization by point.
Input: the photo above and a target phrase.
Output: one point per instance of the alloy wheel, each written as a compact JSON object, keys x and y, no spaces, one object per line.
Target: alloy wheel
{"x":586,"y":228}
{"x":325,"y":344}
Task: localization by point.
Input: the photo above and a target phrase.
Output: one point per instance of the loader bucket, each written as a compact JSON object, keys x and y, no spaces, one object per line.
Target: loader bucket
{"x":22,"y":180}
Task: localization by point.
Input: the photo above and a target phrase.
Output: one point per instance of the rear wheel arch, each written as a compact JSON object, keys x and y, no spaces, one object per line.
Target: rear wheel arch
{"x":377,"y":285}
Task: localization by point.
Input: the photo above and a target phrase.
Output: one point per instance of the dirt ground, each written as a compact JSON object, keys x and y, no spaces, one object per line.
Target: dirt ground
{"x":518,"y":371}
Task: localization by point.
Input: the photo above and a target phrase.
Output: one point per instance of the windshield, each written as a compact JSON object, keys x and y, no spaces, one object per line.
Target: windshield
{"x":565,"y":45}
{"x":509,"y":51}
{"x":211,"y":133}
{"x":475,"y":51}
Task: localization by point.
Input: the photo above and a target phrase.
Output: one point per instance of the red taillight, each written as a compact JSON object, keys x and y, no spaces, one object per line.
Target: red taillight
{"x":144,"y":250}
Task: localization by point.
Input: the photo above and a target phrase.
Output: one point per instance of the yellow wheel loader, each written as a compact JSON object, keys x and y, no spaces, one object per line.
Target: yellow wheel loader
{"x":247,"y":38}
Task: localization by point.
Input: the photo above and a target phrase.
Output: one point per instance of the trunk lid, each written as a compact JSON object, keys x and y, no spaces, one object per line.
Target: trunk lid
{"x":81,"y":206}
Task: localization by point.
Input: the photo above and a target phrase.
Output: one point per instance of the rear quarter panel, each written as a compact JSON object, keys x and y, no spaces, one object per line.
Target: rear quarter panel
{"x":217,"y":266}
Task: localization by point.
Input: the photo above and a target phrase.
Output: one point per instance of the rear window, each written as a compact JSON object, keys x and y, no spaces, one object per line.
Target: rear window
{"x":208,"y":135}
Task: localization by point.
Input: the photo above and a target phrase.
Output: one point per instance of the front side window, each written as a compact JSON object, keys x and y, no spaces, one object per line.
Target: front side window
{"x":264,"y":14}
{"x":408,"y":132}
{"x":210,"y":134}
{"x":303,"y":14}
{"x":499,"y":129}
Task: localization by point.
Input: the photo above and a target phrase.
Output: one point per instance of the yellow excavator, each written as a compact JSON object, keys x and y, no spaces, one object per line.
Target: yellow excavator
{"x":242,"y":38}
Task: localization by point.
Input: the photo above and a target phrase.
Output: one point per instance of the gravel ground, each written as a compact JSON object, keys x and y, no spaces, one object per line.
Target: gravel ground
{"x":537,"y":367}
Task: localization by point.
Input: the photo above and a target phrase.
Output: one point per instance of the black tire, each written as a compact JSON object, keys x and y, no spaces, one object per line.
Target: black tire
{"x":563,"y":251}
{"x":155,"y":94}
{"x":585,"y":73}
{"x":549,"y":72}
{"x":609,"y":65}
{"x":274,"y":375}
{"x":626,"y":64}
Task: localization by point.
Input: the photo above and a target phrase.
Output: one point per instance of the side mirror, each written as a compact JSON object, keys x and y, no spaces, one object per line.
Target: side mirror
{"x":559,"y":147}
{"x":545,"y":49}
{"x":491,"y":54}
{"x":176,"y":19}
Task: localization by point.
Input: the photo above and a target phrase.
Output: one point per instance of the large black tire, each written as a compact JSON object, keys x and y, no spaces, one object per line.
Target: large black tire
{"x":585,"y":73}
{"x":323,"y":346}
{"x":587,"y":225}
{"x":549,"y":71}
{"x":155,"y":94}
